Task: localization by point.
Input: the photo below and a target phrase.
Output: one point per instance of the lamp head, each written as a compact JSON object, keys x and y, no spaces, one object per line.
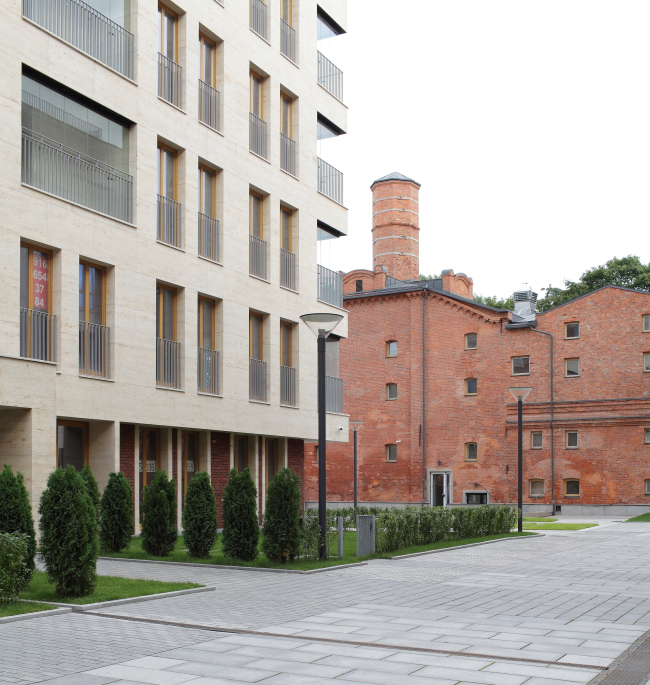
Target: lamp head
{"x":520,"y":393}
{"x":321,"y":325}
{"x":356,"y":425}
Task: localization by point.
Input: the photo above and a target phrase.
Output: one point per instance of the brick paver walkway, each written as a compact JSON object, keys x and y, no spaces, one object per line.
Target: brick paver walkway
{"x":580,"y":598}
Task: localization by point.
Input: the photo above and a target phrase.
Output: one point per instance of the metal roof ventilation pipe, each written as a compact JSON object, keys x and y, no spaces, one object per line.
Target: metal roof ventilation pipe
{"x":525,"y":300}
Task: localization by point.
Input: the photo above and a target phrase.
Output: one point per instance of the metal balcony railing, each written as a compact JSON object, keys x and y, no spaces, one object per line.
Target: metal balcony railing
{"x":288,"y":154}
{"x":94,"y":350}
{"x":170,"y":80}
{"x":287,"y":386}
{"x":168,"y":363}
{"x":209,"y":243}
{"x":330,"y":77}
{"x":87,"y":29}
{"x":258,"y":136}
{"x":208,"y":371}
{"x":73,"y":176}
{"x":169,"y":222}
{"x":54,"y":112}
{"x":259,"y":18}
{"x":287,"y":40}
{"x":37,"y":335}
{"x":209,"y":105}
{"x":333,"y":395}
{"x":258,"y":257}
{"x":330,"y":181}
{"x":330,"y":286}
{"x":287,"y":269}
{"x":257,"y":381}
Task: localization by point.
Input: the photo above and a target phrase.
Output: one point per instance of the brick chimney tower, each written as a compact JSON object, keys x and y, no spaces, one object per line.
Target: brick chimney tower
{"x":395,"y":226}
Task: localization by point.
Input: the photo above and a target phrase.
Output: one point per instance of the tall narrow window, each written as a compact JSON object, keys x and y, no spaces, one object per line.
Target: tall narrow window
{"x":169,"y":211}
{"x":471,"y":386}
{"x":91,"y":294}
{"x":208,"y":60}
{"x":257,"y":95}
{"x":93,"y":334}
{"x":646,"y":323}
{"x":257,"y":132}
{"x":206,"y":191}
{"x":256,"y":336}
{"x":37,"y":325}
{"x":647,"y":436}
{"x":166,"y":172}
{"x":471,"y":341}
{"x":190,"y":460}
{"x":286,"y":11}
{"x":646,"y":361}
{"x":168,"y":351}
{"x":256,"y":215}
{"x":287,"y":144}
{"x":272,"y":454}
{"x":391,"y":391}
{"x":286,"y":123}
{"x":72,"y":444}
{"x":257,"y":365}
{"x":471,"y":451}
{"x":206,"y":323}
{"x":285,"y":237}
{"x":208,"y":357}
{"x":241,"y":452}
{"x":167,"y":38}
{"x":170,"y":73}
{"x":536,"y":440}
{"x":287,"y":372}
{"x":391,"y":452}
{"x":359,"y":287}
{"x":149,"y":460}
{"x":166,"y":312}
{"x":286,"y":334}
{"x":391,"y":348}
{"x":287,"y":257}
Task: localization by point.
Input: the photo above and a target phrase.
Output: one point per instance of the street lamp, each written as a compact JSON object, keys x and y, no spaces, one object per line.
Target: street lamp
{"x":520,"y":394}
{"x":321,"y":325}
{"x":356,"y":425}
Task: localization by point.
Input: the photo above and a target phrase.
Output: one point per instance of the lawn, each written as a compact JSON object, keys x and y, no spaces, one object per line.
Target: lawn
{"x":349,"y":550}
{"x":643,"y":518}
{"x":558,"y":526}
{"x":16,"y":608}
{"x":548,"y":519}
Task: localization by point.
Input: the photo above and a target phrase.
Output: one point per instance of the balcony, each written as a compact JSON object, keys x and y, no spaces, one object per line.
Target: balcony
{"x":330,"y":181}
{"x":288,"y":40}
{"x":208,"y":371}
{"x":73,"y":176}
{"x":169,"y":222}
{"x":209,"y":106}
{"x":287,"y":269}
{"x":209,"y":244}
{"x":37,"y":335}
{"x":259,"y":18}
{"x":288,"y":154}
{"x":287,"y":386}
{"x":258,"y":257}
{"x":330,"y":77}
{"x":170,"y":81}
{"x":257,"y":380}
{"x":168,"y":364}
{"x":86,"y":29}
{"x":330,"y":287}
{"x":333,"y":395}
{"x":258,"y":136}
{"x":94,"y":350}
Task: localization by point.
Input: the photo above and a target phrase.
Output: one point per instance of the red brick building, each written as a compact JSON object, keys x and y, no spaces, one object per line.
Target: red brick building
{"x":427,"y":370}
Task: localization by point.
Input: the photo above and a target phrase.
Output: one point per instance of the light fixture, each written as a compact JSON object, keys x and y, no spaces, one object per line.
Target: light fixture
{"x":321,"y":325}
{"x":520,"y":393}
{"x":356,"y":425}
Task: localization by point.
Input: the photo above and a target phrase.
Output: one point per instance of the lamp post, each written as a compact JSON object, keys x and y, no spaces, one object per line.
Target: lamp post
{"x":356,"y":425}
{"x":321,"y":325}
{"x":520,"y":394}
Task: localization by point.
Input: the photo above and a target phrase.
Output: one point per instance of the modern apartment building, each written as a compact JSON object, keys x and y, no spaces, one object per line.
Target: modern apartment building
{"x":163,"y":201}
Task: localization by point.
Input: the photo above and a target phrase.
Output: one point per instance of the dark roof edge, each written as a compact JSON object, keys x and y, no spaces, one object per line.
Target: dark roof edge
{"x":521,"y":324}
{"x":618,"y":287}
{"x":330,"y":229}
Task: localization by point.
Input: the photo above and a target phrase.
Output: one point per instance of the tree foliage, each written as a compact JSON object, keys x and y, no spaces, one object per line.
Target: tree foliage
{"x":14,"y":577}
{"x":200,"y":516}
{"x":240,"y":525}
{"x":68,"y":525}
{"x":494,"y":301}
{"x":93,"y":489}
{"x":430,"y":277}
{"x":159,"y":532}
{"x":116,"y":514}
{"x":281,"y":532}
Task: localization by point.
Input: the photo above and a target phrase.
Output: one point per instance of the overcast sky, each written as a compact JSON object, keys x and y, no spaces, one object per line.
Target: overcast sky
{"x":527,"y":124}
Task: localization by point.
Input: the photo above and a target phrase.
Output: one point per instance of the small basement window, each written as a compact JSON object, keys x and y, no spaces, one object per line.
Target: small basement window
{"x":572,"y":440}
{"x":572,"y":487}
{"x":536,"y":440}
{"x":476,"y":497}
{"x":520,"y":366}
{"x":391,"y":452}
{"x":646,"y":361}
{"x":537,"y":487}
{"x":391,"y":348}
{"x":572,"y":368}
{"x":646,"y":323}
{"x":471,"y":451}
{"x":572,"y":330}
{"x":471,"y":341}
{"x":359,"y":286}
{"x":391,"y":391}
{"x":471,"y":386}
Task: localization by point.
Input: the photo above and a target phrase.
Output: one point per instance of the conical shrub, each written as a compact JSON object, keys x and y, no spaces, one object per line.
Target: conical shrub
{"x":93,"y":490}
{"x":68,"y":545}
{"x":116,"y":514}
{"x":200,"y":516}
{"x":16,"y":514}
{"x":159,"y":532}
{"x":281,"y":532}
{"x":240,"y":527}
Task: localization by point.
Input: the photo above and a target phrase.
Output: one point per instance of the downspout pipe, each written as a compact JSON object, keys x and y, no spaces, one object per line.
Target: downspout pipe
{"x":424,"y":402}
{"x":550,"y":335}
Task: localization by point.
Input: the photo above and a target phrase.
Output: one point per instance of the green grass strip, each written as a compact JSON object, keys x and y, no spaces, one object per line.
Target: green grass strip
{"x":16,"y":608}
{"x":643,"y":518}
{"x":539,"y":520}
{"x":559,"y":526}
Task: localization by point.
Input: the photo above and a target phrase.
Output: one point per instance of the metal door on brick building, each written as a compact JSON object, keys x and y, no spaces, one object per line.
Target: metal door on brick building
{"x":439,"y":488}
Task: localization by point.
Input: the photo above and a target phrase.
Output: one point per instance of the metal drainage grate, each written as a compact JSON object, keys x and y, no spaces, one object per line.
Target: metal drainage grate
{"x":631,"y":668}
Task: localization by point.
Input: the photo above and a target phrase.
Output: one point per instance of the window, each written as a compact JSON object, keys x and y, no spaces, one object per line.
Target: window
{"x":256,"y":336}
{"x":257,"y":95}
{"x":286,"y":10}
{"x":571,"y":368}
{"x":91,"y":294}
{"x":286,"y":115}
{"x":471,"y":451}
{"x":206,"y":323}
{"x":256,"y":215}
{"x":93,"y":337}
{"x":272,"y":455}
{"x":646,"y":323}
{"x":241,"y":452}
{"x":285,"y":225}
{"x":359,"y":287}
{"x":476,"y":497}
{"x":520,"y":366}
{"x":572,"y":440}
{"x":166,"y":172}
{"x":647,"y":487}
{"x":190,"y":460}
{"x":72,"y":444}
{"x":646,"y":361}
{"x":207,"y":195}
{"x":572,"y":330}
{"x":149,"y":460}
{"x":391,"y":452}
{"x":471,"y":341}
{"x":391,"y":348}
{"x":167,"y":38}
{"x":471,"y":386}
{"x":572,"y":487}
{"x":391,"y":391}
{"x":536,"y":440}
{"x":286,"y":335}
{"x":647,"y":436}
{"x":208,"y":55}
{"x":35,"y":277}
{"x":536,"y":488}
{"x":165,"y":312}
{"x":316,"y":453}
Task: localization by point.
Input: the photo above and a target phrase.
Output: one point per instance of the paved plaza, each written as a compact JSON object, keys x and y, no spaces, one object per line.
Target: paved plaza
{"x":554,"y":609}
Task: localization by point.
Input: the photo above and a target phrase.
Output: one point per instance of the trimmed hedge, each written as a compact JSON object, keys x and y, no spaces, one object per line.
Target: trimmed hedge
{"x":241,"y":529}
{"x":14,"y":555}
{"x":281,"y":531}
{"x":93,"y":490}
{"x":68,"y":525}
{"x":116,"y":514}
{"x":159,"y":533}
{"x":200,"y":516}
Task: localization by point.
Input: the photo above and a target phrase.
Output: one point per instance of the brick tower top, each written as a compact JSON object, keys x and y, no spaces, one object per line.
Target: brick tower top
{"x":395,"y":226}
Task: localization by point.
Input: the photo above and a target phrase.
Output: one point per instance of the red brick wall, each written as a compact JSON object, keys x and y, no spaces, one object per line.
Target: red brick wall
{"x":296,"y":462}
{"x":127,"y":456}
{"x":260,"y":489}
{"x":219,"y":467}
{"x":175,"y":455}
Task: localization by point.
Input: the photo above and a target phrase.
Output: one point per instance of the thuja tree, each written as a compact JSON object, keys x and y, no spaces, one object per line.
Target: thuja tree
{"x":116,"y":514}
{"x":68,"y":525}
{"x":93,"y":489}
{"x":16,"y":514}
{"x":200,"y":516}
{"x":240,"y":527}
{"x":159,"y":533}
{"x":281,"y":532}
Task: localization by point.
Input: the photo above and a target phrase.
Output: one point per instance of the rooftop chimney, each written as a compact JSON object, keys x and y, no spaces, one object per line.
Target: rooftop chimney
{"x":525,"y":300}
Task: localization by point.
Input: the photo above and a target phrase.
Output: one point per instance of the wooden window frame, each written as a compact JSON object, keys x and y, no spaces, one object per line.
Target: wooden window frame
{"x":566,"y":364}
{"x":204,"y":39}
{"x":289,"y":325}
{"x":388,"y":389}
{"x":467,"y":393}
{"x":645,"y":318}
{"x":161,"y":45}
{"x":532,"y":440}
{"x":512,"y":365}
{"x":186,"y":435}
{"x":30,"y":276}
{"x":571,"y":323}
{"x":566,"y":440}
{"x":284,"y":96}
{"x":467,"y":347}
{"x":203,"y":168}
{"x":254,"y":73}
{"x":467,"y":448}
{"x":286,"y":210}
{"x":388,"y":459}
{"x":290,"y":19}
{"x":388,"y":344}
{"x":530,"y":487}
{"x":87,"y":265}
{"x":252,"y":193}
{"x":572,"y":480}
{"x":161,"y":174}
{"x":159,"y":324}
{"x":74,"y":424}
{"x":212,"y":303}
{"x":277,"y":457}
{"x":252,"y":314}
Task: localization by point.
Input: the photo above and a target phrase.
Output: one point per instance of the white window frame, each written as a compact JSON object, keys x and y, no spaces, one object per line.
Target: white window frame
{"x":645,"y":323}
{"x":571,"y":323}
{"x":566,"y":440}
{"x":533,"y":446}
{"x":512,"y":365}
{"x":566,"y":367}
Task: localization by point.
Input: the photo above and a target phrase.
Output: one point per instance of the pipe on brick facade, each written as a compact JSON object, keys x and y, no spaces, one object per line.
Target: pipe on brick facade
{"x":550,"y":335}
{"x":424,"y":402}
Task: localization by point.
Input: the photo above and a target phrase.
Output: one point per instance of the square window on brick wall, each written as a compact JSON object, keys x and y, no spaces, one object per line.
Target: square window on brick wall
{"x":391,"y":348}
{"x":471,"y":451}
{"x":572,"y":440}
{"x":571,"y":368}
{"x":536,"y":488}
{"x":471,"y":386}
{"x":572,"y":330}
{"x":572,"y":487}
{"x":520,"y":366}
{"x":536,"y":440}
{"x":471,"y":341}
{"x":391,"y":391}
